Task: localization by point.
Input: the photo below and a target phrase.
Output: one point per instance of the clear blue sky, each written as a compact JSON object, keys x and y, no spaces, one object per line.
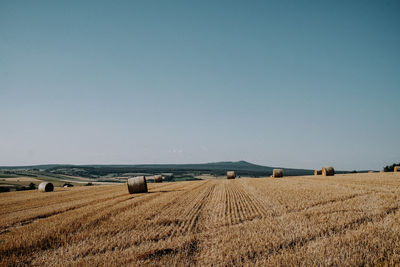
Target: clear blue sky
{"x":279,"y":83}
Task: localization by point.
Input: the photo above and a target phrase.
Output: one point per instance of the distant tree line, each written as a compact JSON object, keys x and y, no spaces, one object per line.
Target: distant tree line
{"x":31,"y":186}
{"x":20,"y":173}
{"x":98,"y":171}
{"x":390,"y":168}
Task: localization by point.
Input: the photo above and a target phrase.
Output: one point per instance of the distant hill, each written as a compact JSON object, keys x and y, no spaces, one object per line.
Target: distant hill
{"x":243,"y":168}
{"x":30,"y":167}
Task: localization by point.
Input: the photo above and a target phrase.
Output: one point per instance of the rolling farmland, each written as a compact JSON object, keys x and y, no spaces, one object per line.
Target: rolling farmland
{"x":340,"y":220}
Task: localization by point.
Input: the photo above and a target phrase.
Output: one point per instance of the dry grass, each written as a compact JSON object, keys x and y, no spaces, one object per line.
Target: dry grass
{"x":21,"y":179}
{"x":342,"y":220}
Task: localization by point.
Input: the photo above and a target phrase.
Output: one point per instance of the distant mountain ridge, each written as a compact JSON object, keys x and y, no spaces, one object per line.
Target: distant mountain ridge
{"x":241,"y":167}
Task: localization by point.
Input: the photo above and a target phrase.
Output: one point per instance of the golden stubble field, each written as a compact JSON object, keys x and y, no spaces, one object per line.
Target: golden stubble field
{"x":341,"y":220}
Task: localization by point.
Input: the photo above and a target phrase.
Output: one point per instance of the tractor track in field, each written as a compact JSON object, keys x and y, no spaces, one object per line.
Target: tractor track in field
{"x":174,"y":219}
{"x":192,"y":213}
{"x":240,"y":206}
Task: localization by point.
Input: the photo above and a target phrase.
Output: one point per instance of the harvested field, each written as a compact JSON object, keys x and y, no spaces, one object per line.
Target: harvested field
{"x":310,"y":220}
{"x":21,"y":179}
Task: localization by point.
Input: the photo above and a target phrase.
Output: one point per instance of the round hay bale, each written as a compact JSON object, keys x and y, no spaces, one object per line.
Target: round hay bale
{"x":396,"y":169}
{"x":230,"y":175}
{"x":317,"y":172}
{"x":158,"y":179}
{"x":277,"y":173}
{"x":137,"y":184}
{"x":46,"y":187}
{"x":370,"y":171}
{"x":328,"y":171}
